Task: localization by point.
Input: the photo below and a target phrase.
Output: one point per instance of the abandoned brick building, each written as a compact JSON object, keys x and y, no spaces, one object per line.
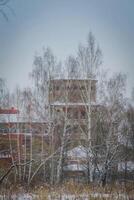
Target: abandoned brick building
{"x":73,"y":106}
{"x":73,"y":96}
{"x":71,"y":99}
{"x":16,"y":136}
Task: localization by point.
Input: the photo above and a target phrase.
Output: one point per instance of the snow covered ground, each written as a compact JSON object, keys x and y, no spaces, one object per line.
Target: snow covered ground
{"x":90,"y":196}
{"x":84,"y":196}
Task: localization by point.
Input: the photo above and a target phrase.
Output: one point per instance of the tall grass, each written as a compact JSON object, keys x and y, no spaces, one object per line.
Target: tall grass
{"x":73,"y":191}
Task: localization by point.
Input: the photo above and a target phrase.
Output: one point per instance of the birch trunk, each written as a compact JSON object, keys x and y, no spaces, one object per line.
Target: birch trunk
{"x":61,"y":150}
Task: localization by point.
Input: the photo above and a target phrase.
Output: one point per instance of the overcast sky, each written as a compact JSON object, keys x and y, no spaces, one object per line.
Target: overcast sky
{"x":62,"y":25}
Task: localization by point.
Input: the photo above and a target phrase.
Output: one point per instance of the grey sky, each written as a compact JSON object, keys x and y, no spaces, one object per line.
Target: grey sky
{"x":62,"y":25}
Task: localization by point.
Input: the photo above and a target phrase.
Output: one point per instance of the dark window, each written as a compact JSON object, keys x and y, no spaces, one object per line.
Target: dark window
{"x":57,"y":87}
{"x":82,"y":87}
{"x":75,"y":114}
{"x":75,"y":87}
{"x":83,"y":114}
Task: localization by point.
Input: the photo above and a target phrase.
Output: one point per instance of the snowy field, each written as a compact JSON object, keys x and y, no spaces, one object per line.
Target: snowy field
{"x":29,"y":196}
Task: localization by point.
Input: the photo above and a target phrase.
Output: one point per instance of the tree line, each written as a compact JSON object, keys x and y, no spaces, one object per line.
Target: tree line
{"x":109,"y":126}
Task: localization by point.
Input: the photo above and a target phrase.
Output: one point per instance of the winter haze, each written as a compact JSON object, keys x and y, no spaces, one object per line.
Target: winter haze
{"x":62,"y":25}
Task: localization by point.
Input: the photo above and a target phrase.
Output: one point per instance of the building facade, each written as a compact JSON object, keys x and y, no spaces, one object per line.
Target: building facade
{"x":74,"y":100}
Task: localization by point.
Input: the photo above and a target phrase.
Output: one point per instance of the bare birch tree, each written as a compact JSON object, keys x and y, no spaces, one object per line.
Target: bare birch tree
{"x":89,"y":59}
{"x":44,"y":70}
{"x":110,"y":117}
